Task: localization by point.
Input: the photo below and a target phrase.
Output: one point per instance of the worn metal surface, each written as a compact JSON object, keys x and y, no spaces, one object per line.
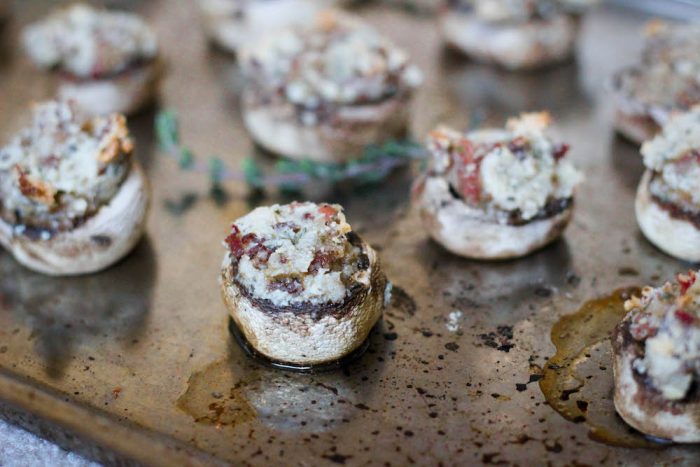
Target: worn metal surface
{"x":138,"y":359}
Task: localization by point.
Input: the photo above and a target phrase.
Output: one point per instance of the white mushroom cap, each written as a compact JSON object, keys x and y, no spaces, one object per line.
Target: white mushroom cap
{"x":300,"y":285}
{"x":512,"y":45}
{"x":105,"y":238}
{"x":675,"y":236}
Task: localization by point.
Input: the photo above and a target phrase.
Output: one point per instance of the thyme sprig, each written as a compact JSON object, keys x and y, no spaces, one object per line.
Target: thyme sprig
{"x":372,"y":166}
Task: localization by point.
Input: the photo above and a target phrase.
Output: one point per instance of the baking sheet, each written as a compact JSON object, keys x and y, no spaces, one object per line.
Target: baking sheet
{"x":137,"y":361}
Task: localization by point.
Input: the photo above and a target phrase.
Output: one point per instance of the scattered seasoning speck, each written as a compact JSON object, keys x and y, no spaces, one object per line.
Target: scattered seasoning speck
{"x":553,"y":447}
{"x":337,"y":458}
{"x":573,"y":279}
{"x":401,"y":300}
{"x":453,"y":346}
{"x":535,"y":378}
{"x":500,"y":339}
{"x":627,"y":271}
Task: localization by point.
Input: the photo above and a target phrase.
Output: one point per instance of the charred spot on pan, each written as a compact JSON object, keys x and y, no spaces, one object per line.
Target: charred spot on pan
{"x":336,"y":458}
{"x":573,"y":279}
{"x":627,"y":271}
{"x":543,"y":291}
{"x":501,"y":339}
{"x":401,"y":300}
{"x":101,"y":240}
{"x":452,"y":346}
{"x":391,"y":336}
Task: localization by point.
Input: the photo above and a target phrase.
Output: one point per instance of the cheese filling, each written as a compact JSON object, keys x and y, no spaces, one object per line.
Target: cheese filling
{"x":517,"y":169}
{"x":266,"y":13}
{"x":337,"y":59}
{"x":62,"y":168}
{"x":666,"y":320}
{"x":674,"y":155}
{"x":675,"y":46}
{"x":297,"y":253}
{"x":519,"y":11}
{"x":89,"y":43}
{"x":668,"y":78}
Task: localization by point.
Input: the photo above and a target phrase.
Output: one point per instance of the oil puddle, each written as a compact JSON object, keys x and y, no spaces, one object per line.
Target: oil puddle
{"x":232,"y":392}
{"x":214,"y":398}
{"x":578,"y":381}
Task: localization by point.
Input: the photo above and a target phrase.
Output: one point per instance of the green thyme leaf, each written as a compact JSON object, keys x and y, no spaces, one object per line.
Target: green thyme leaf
{"x":252,"y":173}
{"x":182,"y":205}
{"x":308,"y":167}
{"x":290,"y":189}
{"x":285,"y":166}
{"x":216,"y":170}
{"x":167,"y":129}
{"x":218,"y":194}
{"x":371,"y":177}
{"x":186,"y":159}
{"x":290,"y":176}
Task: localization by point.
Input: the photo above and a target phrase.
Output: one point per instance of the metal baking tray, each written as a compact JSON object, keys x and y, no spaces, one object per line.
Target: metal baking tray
{"x":137,"y":364}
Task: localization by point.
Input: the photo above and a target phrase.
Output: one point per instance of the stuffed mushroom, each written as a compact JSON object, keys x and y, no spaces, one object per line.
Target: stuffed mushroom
{"x":496,"y":193}
{"x":72,"y":198}
{"x":105,"y":61}
{"x":668,"y":197}
{"x":657,"y":361}
{"x":300,"y":285}
{"x":230,"y":24}
{"x":514,"y":34}
{"x":327,"y":90}
{"x":666,"y":81}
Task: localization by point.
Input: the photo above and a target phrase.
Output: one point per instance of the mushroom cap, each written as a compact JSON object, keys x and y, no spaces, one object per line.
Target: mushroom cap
{"x":673,"y":235}
{"x":302,"y":334}
{"x":643,"y":408}
{"x":464,"y":232}
{"x":102,"y":240}
{"x":354,"y":127}
{"x":514,"y":45}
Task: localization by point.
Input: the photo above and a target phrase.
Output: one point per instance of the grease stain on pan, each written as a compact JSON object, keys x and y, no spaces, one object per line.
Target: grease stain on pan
{"x":578,"y":380}
{"x":238,"y":389}
{"x":213,"y":398}
{"x":283,"y":401}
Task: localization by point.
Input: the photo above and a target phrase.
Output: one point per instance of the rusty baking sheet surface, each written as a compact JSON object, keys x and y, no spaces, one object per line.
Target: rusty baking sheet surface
{"x":138,"y":360}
